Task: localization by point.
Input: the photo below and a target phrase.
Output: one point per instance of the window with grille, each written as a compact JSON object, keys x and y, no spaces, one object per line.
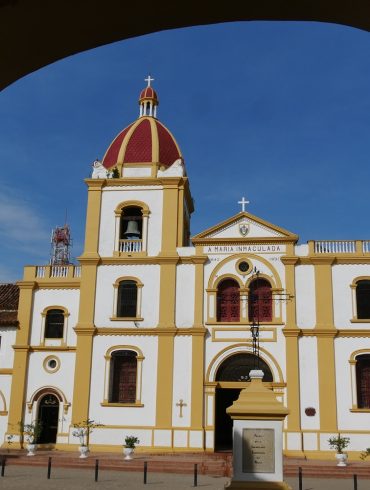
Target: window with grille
{"x":228,"y":301}
{"x":54,"y":324}
{"x":363,"y":299}
{"x":363,"y":380}
{"x":260,"y":301}
{"x":123,"y":377}
{"x":127,"y":299}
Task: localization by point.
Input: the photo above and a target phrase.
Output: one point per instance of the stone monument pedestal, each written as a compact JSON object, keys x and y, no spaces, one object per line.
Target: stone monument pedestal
{"x":257,"y":438}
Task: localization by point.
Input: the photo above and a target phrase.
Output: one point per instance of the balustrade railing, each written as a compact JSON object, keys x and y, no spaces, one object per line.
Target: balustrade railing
{"x":366,"y":246}
{"x":335,"y":247}
{"x":40,"y":271}
{"x":340,"y":246}
{"x":130,"y":246}
{"x":57,"y":271}
{"x":77,"y":271}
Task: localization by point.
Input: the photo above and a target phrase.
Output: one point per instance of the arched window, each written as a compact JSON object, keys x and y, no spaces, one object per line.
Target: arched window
{"x":363,"y":380}
{"x":123,"y":370}
{"x":228,"y":301}
{"x":363,"y":299}
{"x":54,"y":324}
{"x":131,"y":229}
{"x":127,"y":299}
{"x":260,"y":301}
{"x":238,"y":366}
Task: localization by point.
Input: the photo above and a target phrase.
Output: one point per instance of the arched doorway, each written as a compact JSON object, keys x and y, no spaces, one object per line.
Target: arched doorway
{"x":48,"y":415}
{"x":233,"y":370}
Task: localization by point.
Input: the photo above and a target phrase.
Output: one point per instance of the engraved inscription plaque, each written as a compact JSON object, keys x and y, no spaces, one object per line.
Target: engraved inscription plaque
{"x":258,"y":451}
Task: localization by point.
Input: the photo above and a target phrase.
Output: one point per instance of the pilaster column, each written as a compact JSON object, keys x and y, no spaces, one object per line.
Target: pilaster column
{"x":17,"y":402}
{"x":325,"y":334}
{"x":197,"y":362}
{"x":291,"y":333}
{"x":85,"y":327}
{"x":167,"y":303}
{"x":327,"y":385}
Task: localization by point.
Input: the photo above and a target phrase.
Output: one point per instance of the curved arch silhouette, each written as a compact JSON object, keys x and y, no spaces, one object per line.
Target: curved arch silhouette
{"x":33,"y":33}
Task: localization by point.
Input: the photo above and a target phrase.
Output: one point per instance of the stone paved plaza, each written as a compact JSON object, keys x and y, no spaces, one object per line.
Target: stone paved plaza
{"x":30,"y":477}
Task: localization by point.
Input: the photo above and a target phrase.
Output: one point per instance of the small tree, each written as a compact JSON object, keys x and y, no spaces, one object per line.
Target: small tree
{"x":131,"y":441}
{"x":338,"y":443}
{"x":83,"y":430}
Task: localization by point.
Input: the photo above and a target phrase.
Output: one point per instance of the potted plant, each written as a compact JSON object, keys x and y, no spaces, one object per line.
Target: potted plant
{"x":339,"y":443}
{"x":32,"y":432}
{"x":129,"y":446}
{"x":82,"y":431}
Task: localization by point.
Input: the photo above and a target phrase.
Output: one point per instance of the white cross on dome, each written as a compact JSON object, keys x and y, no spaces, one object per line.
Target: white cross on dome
{"x":149,"y":79}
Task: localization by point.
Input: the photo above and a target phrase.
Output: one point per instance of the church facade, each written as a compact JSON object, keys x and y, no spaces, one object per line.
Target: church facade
{"x":151,"y":334}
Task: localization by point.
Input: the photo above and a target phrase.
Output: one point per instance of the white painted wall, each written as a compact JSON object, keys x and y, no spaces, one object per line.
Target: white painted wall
{"x":112,"y":196}
{"x":43,"y":298}
{"x":8,"y":335}
{"x":301,"y":250}
{"x":305,"y":296}
{"x":309,"y":381}
{"x":185,"y":298}
{"x":5,"y":387}
{"x":107,"y":275}
{"x":182,"y":380}
{"x":343,"y":276}
{"x":135,"y":416}
{"x":61,"y":380}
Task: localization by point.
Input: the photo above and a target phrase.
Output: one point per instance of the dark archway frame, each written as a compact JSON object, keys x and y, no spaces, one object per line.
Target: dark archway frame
{"x":35,"y":33}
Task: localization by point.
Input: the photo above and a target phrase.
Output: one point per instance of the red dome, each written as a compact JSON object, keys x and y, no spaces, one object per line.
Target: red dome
{"x":145,"y":141}
{"x":148,"y":93}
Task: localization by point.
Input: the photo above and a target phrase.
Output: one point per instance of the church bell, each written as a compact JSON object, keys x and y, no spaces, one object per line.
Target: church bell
{"x":132,"y":230}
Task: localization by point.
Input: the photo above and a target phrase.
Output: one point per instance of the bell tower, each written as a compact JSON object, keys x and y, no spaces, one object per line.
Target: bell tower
{"x":139,"y":208}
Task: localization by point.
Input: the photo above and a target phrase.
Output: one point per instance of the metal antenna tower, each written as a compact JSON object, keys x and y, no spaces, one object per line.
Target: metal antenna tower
{"x":60,"y":245}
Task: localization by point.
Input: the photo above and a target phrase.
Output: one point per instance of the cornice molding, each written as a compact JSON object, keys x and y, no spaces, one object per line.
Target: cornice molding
{"x":59,"y":283}
{"x":141,"y":331}
{"x":242,"y":241}
{"x":289,"y":260}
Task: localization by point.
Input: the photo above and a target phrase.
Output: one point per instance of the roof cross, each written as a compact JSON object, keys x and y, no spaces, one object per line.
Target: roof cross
{"x":149,"y":79}
{"x":243,"y":202}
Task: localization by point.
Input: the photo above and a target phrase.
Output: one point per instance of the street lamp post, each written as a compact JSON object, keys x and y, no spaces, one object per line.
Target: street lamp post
{"x":255,"y":327}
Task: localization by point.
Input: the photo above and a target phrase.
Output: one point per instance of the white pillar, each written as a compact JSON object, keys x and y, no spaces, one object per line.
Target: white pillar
{"x":116,"y":232}
{"x":145,"y":232}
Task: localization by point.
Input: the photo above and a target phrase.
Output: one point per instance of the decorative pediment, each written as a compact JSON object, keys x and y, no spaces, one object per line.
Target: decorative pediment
{"x":244,"y":227}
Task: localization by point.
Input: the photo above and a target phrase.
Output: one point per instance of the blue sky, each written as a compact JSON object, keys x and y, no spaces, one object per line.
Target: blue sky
{"x":277,"y":112}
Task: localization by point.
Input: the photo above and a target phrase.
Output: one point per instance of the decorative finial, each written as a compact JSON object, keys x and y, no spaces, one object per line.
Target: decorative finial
{"x":243,"y":202}
{"x":149,"y":79}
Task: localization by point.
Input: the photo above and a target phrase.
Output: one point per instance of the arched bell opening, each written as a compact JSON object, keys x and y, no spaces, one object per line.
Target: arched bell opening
{"x":48,"y":418}
{"x":131,"y":229}
{"x":131,"y":223}
{"x":233,"y":370}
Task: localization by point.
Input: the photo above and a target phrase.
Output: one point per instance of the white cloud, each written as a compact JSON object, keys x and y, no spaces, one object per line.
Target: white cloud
{"x":21,"y":226}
